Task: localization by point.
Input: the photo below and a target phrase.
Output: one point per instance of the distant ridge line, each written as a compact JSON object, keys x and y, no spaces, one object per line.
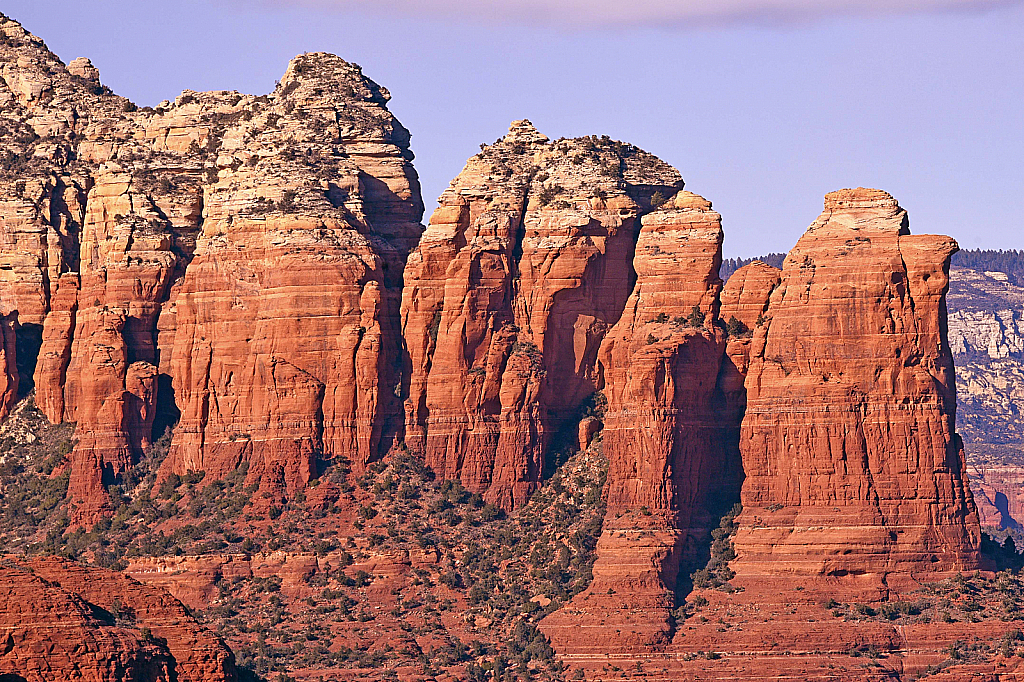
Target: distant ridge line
{"x":1010,"y":261}
{"x":731,"y":265}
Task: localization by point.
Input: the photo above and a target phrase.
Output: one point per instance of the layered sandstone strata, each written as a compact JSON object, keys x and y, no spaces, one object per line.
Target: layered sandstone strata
{"x":524,"y":267}
{"x":233,"y":260}
{"x":744,"y":302}
{"x":64,"y":621}
{"x":850,"y":458}
{"x":8,"y":362}
{"x":285,"y":347}
{"x":668,"y":464}
{"x":852,"y":472}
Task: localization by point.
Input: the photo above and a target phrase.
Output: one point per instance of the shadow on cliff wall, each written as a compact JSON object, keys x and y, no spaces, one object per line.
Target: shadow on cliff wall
{"x":1002,"y":505}
{"x":703,"y":560}
{"x":566,"y":439}
{"x":167,"y":412}
{"x":29,"y":341}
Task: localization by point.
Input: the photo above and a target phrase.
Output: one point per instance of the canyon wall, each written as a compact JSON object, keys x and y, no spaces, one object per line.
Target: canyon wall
{"x":667,"y":454}
{"x":986,"y":335}
{"x":64,"y":621}
{"x":285,"y":346}
{"x":522,"y":270}
{"x":850,"y":458}
{"x":835,"y":388}
{"x":247,"y":278}
{"x":9,"y":377}
{"x":227,"y":264}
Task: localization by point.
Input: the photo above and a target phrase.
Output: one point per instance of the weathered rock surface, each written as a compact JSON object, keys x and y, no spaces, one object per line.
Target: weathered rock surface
{"x":285,"y":344}
{"x":8,"y":362}
{"x":251,"y":270}
{"x":997,"y":480}
{"x":851,"y":461}
{"x":986,"y":314}
{"x":523,"y":268}
{"x":272,"y":231}
{"x":744,"y":302}
{"x":63,"y":621}
{"x":986,"y":328}
{"x":55,"y":348}
{"x":855,"y":486}
{"x":668,"y":465}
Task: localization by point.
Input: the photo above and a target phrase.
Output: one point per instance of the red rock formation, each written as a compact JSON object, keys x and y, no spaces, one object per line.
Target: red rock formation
{"x":55,"y":351}
{"x":744,"y":302}
{"x":285,"y":342}
{"x":39,"y":219}
{"x":886,"y":504}
{"x":64,"y":621}
{"x":96,"y":400}
{"x":661,"y":361}
{"x":8,"y":362}
{"x":745,"y":296}
{"x":53,"y":634}
{"x":110,"y":381}
{"x":289,"y":323}
{"x":851,"y":461}
{"x":667,"y":464}
{"x":522,"y":270}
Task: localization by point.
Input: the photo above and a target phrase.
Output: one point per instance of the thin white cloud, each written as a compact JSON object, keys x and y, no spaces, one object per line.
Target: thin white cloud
{"x":627,"y":13}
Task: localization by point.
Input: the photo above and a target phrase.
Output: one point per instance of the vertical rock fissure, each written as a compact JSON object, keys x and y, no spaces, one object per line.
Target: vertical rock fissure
{"x":29,"y":341}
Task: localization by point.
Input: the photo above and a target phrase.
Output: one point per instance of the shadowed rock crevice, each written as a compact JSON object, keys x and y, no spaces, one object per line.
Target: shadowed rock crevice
{"x":522,"y":270}
{"x":162,"y":245}
{"x":29,"y":341}
{"x":669,"y":465}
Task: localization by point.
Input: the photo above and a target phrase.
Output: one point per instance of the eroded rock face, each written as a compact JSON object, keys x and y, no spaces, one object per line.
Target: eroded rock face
{"x":285,"y":346}
{"x":986,"y":335}
{"x":997,"y":482}
{"x":851,"y":462}
{"x":8,"y":362}
{"x":744,"y":302}
{"x":668,"y":465}
{"x":64,"y":621}
{"x":235,"y":260}
{"x":252,"y":269}
{"x":55,"y":349}
{"x":523,"y":268}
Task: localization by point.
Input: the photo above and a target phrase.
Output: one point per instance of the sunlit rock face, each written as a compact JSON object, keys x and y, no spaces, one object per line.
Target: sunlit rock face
{"x":524,"y":267}
{"x":850,"y":458}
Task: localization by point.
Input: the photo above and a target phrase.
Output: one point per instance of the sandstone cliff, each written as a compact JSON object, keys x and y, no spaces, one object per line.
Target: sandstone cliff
{"x":231,"y":259}
{"x":62,"y":621}
{"x":851,"y":462}
{"x":285,"y":348}
{"x":854,"y":486}
{"x":744,"y":300}
{"x":667,"y":458}
{"x":251,"y":271}
{"x":9,"y":377}
{"x":524,"y":267}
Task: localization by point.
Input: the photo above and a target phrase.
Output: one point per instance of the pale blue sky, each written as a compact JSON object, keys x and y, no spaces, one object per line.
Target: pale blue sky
{"x":761,"y":117}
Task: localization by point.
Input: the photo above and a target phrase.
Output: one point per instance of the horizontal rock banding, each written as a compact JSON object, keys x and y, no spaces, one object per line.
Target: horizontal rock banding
{"x":851,"y":461}
{"x":64,"y":621}
{"x":523,"y":268}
